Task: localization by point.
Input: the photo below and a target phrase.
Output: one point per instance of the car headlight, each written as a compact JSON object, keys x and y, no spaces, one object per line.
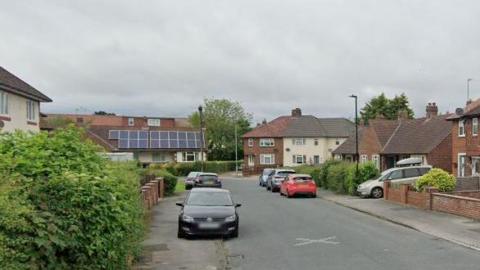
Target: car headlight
{"x":187,"y":218}
{"x":230,"y":218}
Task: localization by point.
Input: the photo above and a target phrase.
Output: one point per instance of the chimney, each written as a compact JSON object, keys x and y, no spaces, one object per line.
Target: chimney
{"x":432,"y":110}
{"x":402,"y":115}
{"x":297,"y":112}
{"x":264,"y":122}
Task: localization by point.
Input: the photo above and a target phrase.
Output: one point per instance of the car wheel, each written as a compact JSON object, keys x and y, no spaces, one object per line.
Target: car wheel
{"x":314,"y":195}
{"x":288,"y":194}
{"x":268,"y":187}
{"x":180,"y":233}
{"x":235,"y":233}
{"x":377,"y":193}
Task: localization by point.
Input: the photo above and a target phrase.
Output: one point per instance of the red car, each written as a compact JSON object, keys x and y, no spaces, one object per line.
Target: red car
{"x":298,"y":184}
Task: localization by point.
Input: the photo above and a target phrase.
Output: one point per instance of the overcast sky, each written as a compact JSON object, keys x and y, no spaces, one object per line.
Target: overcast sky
{"x":163,"y":57}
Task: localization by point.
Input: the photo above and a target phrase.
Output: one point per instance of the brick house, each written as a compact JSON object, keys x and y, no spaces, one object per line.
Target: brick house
{"x":385,"y":142}
{"x":293,"y":140}
{"x":19,"y":104}
{"x":465,"y":140}
{"x":148,"y":139}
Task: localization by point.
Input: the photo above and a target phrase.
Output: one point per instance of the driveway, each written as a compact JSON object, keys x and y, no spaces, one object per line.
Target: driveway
{"x":300,"y":233}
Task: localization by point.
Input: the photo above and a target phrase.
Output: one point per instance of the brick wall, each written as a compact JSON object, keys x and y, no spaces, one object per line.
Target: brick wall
{"x":256,"y":150}
{"x":457,"y":205}
{"x":468,"y":183}
{"x":441,"y":156}
{"x":458,"y":146}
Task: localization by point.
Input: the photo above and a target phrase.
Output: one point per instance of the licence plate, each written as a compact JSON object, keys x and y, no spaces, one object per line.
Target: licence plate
{"x":208,"y":225}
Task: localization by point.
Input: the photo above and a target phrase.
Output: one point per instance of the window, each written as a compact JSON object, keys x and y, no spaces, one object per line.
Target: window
{"x":267,"y":142}
{"x":462,"y":158}
{"x":189,"y":156}
{"x":423,"y":171}
{"x":159,"y":157}
{"x":153,"y":122}
{"x":316,"y":159}
{"x":251,"y":160}
{"x":395,"y":175}
{"x":267,"y":159}
{"x":337,"y":142}
{"x":315,"y":142}
{"x":131,"y":121}
{"x":298,"y":141}
{"x":475,"y":126}
{"x":461,"y":128}
{"x":3,"y":103}
{"x":475,"y":166}
{"x":250,"y":142}
{"x":411,"y":173}
{"x":299,"y":159}
{"x":363,"y":158}
{"x":31,"y":110}
{"x":376,"y":160}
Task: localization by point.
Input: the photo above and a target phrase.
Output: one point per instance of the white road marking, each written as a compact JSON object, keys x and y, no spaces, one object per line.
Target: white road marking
{"x":306,"y":241}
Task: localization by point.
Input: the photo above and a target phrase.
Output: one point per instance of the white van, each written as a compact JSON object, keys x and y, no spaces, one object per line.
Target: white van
{"x":374,"y":188}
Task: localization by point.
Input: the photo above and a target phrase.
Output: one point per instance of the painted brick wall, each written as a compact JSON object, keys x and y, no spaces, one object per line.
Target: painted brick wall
{"x":256,"y":150}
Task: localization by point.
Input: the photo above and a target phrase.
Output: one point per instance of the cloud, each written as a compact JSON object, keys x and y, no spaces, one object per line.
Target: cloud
{"x":164,"y":57}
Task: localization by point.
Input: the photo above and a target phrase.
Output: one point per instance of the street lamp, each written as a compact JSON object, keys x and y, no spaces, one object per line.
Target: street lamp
{"x":468,"y":88}
{"x":202,"y":142}
{"x":356,"y":131}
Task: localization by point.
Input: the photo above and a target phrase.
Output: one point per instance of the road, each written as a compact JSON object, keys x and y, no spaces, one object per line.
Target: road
{"x":302,"y":233}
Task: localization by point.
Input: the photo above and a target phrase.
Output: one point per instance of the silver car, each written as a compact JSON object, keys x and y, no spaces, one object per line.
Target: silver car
{"x":374,"y":188}
{"x":262,"y":179}
{"x":276,"y":177}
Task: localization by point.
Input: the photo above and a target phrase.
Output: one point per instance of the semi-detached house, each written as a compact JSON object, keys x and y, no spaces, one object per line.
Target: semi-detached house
{"x":293,"y":140}
{"x":19,"y":104}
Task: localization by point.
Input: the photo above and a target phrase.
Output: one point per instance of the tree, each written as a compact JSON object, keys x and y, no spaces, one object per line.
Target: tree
{"x":221,"y":116}
{"x":387,"y":108}
{"x":103,"y":113}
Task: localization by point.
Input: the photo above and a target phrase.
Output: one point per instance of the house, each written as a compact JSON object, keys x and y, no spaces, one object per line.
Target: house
{"x":149,"y":139}
{"x":465,"y":140}
{"x":384,"y":142}
{"x":19,"y":104}
{"x":293,"y":140}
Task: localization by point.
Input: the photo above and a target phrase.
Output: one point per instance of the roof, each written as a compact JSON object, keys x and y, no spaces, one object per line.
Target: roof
{"x":303,"y":126}
{"x":419,"y":136}
{"x":13,"y":84}
{"x":348,"y":147}
{"x":209,"y":190}
{"x":471,"y":109}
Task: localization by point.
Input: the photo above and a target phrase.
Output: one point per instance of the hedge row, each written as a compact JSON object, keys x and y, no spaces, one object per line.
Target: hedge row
{"x":170,"y":180}
{"x":339,"y":176}
{"x":62,"y":206}
{"x":183,"y":169}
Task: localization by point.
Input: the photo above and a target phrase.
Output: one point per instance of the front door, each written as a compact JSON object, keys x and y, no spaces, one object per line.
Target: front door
{"x":316,"y":160}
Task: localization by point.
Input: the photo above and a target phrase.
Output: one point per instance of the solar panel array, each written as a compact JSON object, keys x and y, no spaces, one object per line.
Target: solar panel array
{"x":156,"y":139}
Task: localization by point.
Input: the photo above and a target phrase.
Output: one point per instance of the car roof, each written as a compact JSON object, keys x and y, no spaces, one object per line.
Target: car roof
{"x":284,"y":170}
{"x":299,"y":175}
{"x":210,"y":190}
{"x":207,"y":173}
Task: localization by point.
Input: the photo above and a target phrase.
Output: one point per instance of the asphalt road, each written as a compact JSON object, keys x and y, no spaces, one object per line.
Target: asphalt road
{"x":303,"y":233}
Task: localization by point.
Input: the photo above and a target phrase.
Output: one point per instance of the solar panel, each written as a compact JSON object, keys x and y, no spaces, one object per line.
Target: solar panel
{"x":140,"y":139}
{"x":113,"y":134}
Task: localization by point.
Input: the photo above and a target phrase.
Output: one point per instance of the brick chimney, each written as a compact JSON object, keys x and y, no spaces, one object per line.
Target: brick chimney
{"x":297,"y":112}
{"x":432,"y":110}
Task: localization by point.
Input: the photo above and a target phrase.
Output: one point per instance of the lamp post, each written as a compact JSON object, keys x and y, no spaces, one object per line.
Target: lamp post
{"x":202,"y":142}
{"x":468,"y":88}
{"x":236,"y":150}
{"x":356,"y":132}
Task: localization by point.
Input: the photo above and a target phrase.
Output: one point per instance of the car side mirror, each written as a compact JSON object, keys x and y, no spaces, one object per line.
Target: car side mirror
{"x":179,"y":204}
{"x":238,"y":205}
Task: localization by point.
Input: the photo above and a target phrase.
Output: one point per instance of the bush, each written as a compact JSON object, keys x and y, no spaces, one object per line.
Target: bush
{"x":437,"y":178}
{"x":63,"y":206}
{"x":169,"y":180}
{"x":323,"y":174}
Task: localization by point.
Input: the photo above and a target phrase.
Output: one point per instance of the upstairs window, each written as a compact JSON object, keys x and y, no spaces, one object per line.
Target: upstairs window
{"x":131,"y":121}
{"x":461,"y":128}
{"x":31,"y":110}
{"x":250,"y":142}
{"x":475,"y":126}
{"x":3,"y":103}
{"x":153,"y":122}
{"x":315,"y":142}
{"x":298,"y":141}
{"x":267,"y":142}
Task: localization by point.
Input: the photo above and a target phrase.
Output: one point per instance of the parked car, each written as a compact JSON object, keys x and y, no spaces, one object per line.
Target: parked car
{"x":190,"y":180}
{"x":262,"y":179}
{"x":208,"y":211}
{"x":374,"y":188}
{"x":298,"y":184}
{"x":207,"y":180}
{"x":276,"y":177}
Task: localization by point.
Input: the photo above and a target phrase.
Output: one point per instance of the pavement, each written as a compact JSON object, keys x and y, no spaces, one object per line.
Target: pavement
{"x":456,"y":229}
{"x":301,"y":233}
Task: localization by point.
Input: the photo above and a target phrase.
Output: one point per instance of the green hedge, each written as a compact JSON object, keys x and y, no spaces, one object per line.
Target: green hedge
{"x":340,"y":176}
{"x":184,"y":168}
{"x":437,"y":178}
{"x":63,"y":206}
{"x":170,"y":180}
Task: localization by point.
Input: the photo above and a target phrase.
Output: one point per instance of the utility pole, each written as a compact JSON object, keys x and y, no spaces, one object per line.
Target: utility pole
{"x":356,"y":132}
{"x":202,"y":143}
{"x":236,"y":150}
{"x":468,"y":88}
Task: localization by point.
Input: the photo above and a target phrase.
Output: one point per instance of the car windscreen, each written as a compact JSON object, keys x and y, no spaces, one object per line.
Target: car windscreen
{"x":209,"y":199}
{"x":267,"y":172}
{"x":192,"y":174}
{"x":284,"y":173}
{"x":302,"y":178}
{"x":208,"y":177}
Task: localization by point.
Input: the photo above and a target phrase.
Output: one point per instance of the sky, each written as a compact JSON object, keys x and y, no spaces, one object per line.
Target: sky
{"x":162,"y":58}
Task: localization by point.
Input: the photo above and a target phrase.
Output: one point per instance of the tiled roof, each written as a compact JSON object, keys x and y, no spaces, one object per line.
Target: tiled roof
{"x":11,"y":83}
{"x":419,"y":136}
{"x":303,"y":126}
{"x":348,"y":147}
